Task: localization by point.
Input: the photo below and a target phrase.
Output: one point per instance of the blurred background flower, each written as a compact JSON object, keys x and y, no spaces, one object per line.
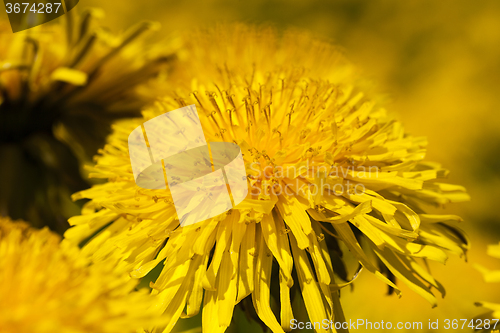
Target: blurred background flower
{"x":48,"y":286}
{"x":61,"y":85}
{"x":490,"y":276}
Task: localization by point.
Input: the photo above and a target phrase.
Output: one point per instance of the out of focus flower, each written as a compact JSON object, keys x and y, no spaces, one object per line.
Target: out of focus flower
{"x":490,"y":276}
{"x":327,"y":168}
{"x":47,"y":286}
{"x":60,"y":87}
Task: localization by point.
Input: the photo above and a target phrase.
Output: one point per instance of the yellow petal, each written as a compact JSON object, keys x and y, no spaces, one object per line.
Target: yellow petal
{"x":247,"y":263}
{"x":275,"y":235}
{"x":223,"y":236}
{"x":309,"y":286}
{"x":401,"y":272}
{"x":226,"y":290}
{"x":286,"y":313}
{"x":261,"y":295}
{"x":295,"y":216}
{"x":70,"y":75}
{"x":195,"y":295}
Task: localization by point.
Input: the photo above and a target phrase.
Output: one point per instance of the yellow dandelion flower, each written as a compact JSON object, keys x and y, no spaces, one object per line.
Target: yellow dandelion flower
{"x":327,"y":168}
{"x":60,"y":87}
{"x":48,"y":286}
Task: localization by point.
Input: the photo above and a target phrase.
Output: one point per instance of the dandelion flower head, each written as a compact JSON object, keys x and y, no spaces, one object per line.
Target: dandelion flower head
{"x":309,"y":136}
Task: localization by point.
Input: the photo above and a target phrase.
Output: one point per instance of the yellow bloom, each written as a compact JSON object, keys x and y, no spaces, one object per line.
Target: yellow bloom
{"x":47,"y":286}
{"x":60,"y":87}
{"x":309,"y":136}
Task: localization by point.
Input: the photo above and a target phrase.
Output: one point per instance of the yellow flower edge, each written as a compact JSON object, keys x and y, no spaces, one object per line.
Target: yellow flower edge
{"x":491,"y":276}
{"x":48,"y":286}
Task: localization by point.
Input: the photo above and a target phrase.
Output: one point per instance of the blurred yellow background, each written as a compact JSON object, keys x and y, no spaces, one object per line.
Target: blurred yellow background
{"x":439,"y":64}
